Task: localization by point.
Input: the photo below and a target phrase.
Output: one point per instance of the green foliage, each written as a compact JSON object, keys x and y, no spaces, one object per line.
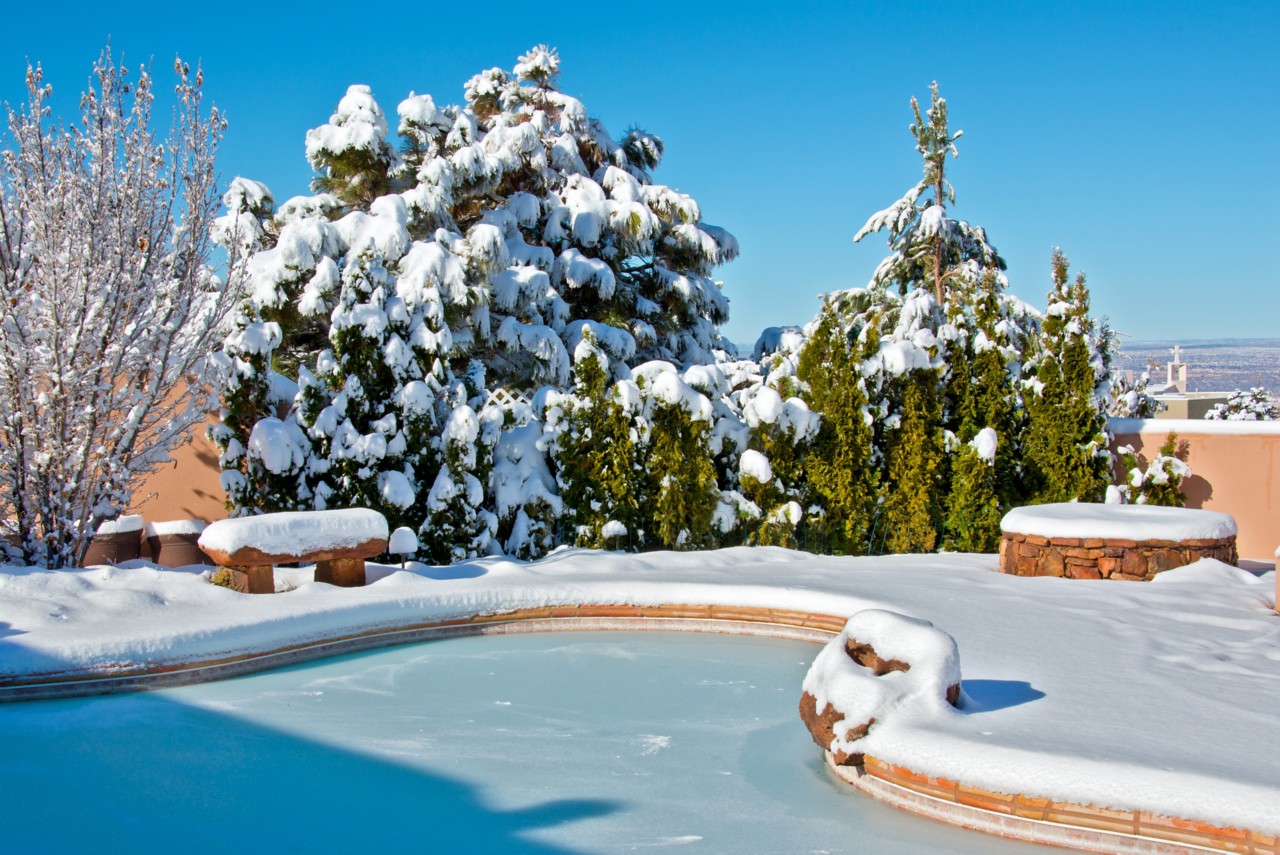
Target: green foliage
{"x":1066,"y":444}
{"x":594,"y":453}
{"x":912,"y":494}
{"x":838,"y":466}
{"x":973,"y":506}
{"x":1160,"y":483}
{"x":225,"y":577}
{"x":678,"y":493}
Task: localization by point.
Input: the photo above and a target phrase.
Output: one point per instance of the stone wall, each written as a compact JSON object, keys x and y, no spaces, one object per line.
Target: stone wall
{"x":1106,"y":558}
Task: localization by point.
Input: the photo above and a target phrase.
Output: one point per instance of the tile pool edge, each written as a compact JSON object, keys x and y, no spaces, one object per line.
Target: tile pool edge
{"x":1044,"y":821}
{"x":1034,"y":820}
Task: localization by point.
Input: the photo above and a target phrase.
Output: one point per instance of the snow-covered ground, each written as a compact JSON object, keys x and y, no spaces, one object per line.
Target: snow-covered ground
{"x":1156,"y":696}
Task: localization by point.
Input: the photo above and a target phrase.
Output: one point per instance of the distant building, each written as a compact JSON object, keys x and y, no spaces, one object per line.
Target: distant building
{"x":1178,"y":402}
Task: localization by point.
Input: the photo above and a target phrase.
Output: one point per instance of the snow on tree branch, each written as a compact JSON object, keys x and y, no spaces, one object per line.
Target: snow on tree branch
{"x":108,"y":305}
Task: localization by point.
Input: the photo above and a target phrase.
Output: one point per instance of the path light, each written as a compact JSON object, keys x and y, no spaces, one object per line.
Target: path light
{"x":404,"y":541}
{"x":613,"y":529}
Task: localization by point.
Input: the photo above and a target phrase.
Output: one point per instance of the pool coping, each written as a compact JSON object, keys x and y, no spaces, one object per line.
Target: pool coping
{"x":1018,"y":816}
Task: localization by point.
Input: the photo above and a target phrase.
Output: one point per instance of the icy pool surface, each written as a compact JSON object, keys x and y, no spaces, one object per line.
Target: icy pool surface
{"x":570,"y":742}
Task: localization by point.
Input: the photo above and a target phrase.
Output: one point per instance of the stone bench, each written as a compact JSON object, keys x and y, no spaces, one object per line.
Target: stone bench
{"x":337,"y":541}
{"x":1079,"y":540}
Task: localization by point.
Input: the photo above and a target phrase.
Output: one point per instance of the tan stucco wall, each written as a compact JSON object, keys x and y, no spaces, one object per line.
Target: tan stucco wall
{"x":187,"y":488}
{"x":1234,"y":472}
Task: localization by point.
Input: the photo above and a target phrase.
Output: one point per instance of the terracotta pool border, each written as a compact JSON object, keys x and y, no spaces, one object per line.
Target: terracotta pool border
{"x":1035,"y":820}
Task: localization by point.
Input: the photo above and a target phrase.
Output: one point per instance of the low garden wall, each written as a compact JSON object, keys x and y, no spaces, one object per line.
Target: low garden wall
{"x":1106,"y":558}
{"x":1126,"y":542}
{"x":1235,"y":469}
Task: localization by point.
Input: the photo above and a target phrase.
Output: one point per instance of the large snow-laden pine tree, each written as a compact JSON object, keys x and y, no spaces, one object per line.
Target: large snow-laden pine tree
{"x":108,"y":305}
{"x":582,"y":233}
{"x":517,"y":217}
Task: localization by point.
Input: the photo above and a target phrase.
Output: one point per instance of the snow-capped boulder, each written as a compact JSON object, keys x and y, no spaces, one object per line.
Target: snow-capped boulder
{"x":880,"y":663}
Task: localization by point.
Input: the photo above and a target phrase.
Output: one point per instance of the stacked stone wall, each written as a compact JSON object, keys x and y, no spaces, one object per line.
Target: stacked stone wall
{"x":1106,"y":557}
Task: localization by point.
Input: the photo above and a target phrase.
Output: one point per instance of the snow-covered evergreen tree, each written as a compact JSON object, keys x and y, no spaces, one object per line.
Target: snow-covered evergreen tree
{"x":457,"y":525}
{"x":507,"y":230}
{"x":1066,"y":454}
{"x":771,"y":470}
{"x":973,"y":508}
{"x":1159,"y":483}
{"x":594,"y":452}
{"x":1255,"y":405}
{"x":838,"y":466}
{"x":984,"y":476}
{"x":678,"y":494}
{"x":913,"y":491}
{"x":930,"y":248}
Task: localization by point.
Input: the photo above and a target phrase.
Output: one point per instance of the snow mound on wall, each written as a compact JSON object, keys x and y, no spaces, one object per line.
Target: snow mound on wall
{"x":296,"y":532}
{"x":1134,"y":522}
{"x":121,"y":525}
{"x":175,"y":527}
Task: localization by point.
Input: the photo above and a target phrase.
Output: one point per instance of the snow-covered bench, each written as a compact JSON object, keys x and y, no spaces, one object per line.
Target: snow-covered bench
{"x":337,"y":541}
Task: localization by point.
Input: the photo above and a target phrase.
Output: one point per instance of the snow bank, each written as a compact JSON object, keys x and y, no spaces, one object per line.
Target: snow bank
{"x":295,"y":532}
{"x":1132,"y":522}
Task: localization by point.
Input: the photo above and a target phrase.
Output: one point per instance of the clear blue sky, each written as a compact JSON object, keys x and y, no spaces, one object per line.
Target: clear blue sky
{"x":1139,"y":137}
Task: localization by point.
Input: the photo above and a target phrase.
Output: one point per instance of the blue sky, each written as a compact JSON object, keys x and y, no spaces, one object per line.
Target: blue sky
{"x":1135,"y":136}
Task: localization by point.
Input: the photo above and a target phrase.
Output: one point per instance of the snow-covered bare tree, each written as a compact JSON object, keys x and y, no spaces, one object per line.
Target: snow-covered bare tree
{"x":108,"y":305}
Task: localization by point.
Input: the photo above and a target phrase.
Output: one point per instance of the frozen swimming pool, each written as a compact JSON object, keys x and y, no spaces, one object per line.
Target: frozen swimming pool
{"x":570,"y":742}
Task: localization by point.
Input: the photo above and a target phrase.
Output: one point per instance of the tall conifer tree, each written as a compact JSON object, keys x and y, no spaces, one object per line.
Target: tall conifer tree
{"x":1066,"y":443}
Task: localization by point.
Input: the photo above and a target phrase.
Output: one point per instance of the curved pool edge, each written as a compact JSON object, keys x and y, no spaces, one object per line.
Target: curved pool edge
{"x":1041,"y":820}
{"x":1030,"y":819}
{"x":736,"y":620}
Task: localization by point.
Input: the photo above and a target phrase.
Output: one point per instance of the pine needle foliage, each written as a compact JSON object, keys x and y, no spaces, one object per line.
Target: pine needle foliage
{"x":838,"y":466}
{"x":594,"y":453}
{"x":912,"y":491}
{"x":1066,"y":442}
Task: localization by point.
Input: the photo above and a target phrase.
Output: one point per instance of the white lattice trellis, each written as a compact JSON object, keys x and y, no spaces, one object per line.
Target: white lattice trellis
{"x":505,"y":397}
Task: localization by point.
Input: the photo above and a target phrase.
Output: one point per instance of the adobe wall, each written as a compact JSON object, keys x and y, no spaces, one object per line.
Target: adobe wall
{"x":1235,"y":469}
{"x":185,"y":489}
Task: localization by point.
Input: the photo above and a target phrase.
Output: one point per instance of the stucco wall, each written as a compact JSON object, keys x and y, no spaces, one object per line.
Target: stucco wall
{"x":1234,"y":468}
{"x":187,"y":488}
